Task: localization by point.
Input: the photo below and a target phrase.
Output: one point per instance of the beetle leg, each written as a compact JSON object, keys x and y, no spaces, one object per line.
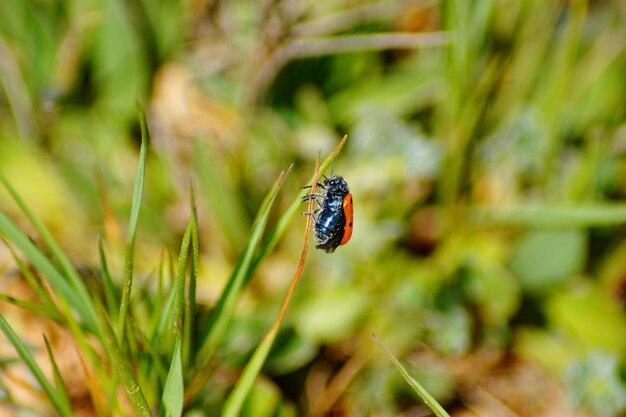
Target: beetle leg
{"x":312,"y":196}
{"x":319,"y":198}
{"x":312,"y":214}
{"x":309,"y":186}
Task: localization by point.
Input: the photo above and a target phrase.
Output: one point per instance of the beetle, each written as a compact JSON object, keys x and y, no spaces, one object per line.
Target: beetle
{"x":335,"y":215}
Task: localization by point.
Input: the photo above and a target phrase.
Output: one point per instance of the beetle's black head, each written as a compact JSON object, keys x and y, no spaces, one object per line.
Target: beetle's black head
{"x":336,"y":186}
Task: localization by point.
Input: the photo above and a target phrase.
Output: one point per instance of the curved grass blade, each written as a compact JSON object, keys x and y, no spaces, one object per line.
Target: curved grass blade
{"x":81,"y":298}
{"x":179,"y":283}
{"x":36,"y":308}
{"x":48,"y":270}
{"x":59,"y":404}
{"x":110,"y":294}
{"x":166,"y":316}
{"x":189,"y":339}
{"x":58,"y":380}
{"x":159,"y":321}
{"x":174,"y":390}
{"x":291,"y":211}
{"x":234,"y":402}
{"x":226,"y":304}
{"x":132,"y":227}
{"x":32,"y":281}
{"x":122,"y":368}
{"x":434,"y":406}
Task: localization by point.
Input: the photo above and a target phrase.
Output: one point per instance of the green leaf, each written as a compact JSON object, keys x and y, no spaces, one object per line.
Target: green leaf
{"x":110,"y":293}
{"x":546,"y":258}
{"x":434,"y":406}
{"x":189,"y":339}
{"x":551,"y":216}
{"x":30,"y":306}
{"x":132,"y":227}
{"x":33,"y":281}
{"x":57,"y":401}
{"x":122,"y":368}
{"x":48,"y":270}
{"x":228,"y":300}
{"x":80,"y":299}
{"x":590,"y":316}
{"x":165,"y":317}
{"x":236,"y":398}
{"x":234,"y":402}
{"x":179,"y":283}
{"x":292,"y":210}
{"x":174,"y":390}
{"x":58,"y":380}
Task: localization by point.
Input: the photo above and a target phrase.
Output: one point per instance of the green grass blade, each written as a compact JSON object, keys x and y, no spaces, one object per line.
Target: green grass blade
{"x":48,"y":270}
{"x":226,"y":304}
{"x":32,"y":280}
{"x":434,"y":406}
{"x":139,"y":177}
{"x":81,"y":297}
{"x":166,"y":315}
{"x":292,"y":210}
{"x":58,"y":380}
{"x":132,"y":227}
{"x":160,"y":301}
{"x":579,"y":215}
{"x":23,"y":352}
{"x":36,"y":308}
{"x":234,"y":402}
{"x":179,"y":283}
{"x":122,"y":368}
{"x":174,"y":390}
{"x":189,"y":339}
{"x":110,"y":294}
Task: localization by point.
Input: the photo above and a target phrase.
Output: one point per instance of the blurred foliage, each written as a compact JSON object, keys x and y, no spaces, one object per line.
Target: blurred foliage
{"x":486,"y":156}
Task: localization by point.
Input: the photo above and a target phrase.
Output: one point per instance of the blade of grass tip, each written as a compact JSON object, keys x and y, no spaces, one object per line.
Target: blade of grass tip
{"x":122,"y":368}
{"x":226,"y":304}
{"x":189,"y":339}
{"x":70,"y":271}
{"x":234,"y":402}
{"x":49,"y":271}
{"x":159,"y":301}
{"x":58,"y":380}
{"x":285,"y":219}
{"x":109,"y":288}
{"x":179,"y":284}
{"x":434,"y":406}
{"x":36,"y":308}
{"x":166,"y":315}
{"x":27,"y":358}
{"x":132,"y":227}
{"x":174,"y":390}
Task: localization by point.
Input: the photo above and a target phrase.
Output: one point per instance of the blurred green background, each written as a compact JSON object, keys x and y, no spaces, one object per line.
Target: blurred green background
{"x":486,"y":156}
